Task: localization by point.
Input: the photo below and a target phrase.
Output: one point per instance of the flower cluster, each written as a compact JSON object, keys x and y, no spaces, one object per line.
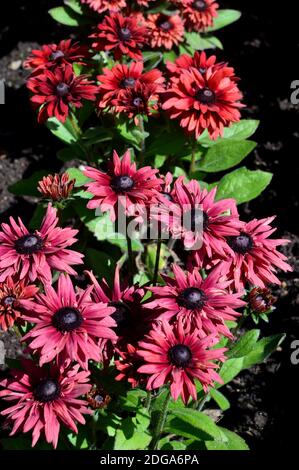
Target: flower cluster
{"x":191,"y":310}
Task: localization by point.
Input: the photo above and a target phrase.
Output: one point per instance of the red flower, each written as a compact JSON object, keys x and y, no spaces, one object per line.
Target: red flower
{"x":252,"y":257}
{"x":104,"y":5}
{"x":68,"y":324}
{"x":11,"y":293}
{"x":261,"y":300}
{"x":142,"y":99}
{"x":199,"y":102}
{"x":202,"y":63}
{"x":130,"y":316}
{"x":174,"y":355}
{"x":44,"y":398}
{"x":122,"y":184}
{"x":201,"y":304}
{"x":193,"y":215}
{"x":56,"y":187}
{"x":32,"y":255}
{"x":165,"y":30}
{"x":55,"y":91}
{"x":121,"y":77}
{"x":128,"y":364}
{"x":53,"y":55}
{"x":122,"y":35}
{"x":199,"y":14}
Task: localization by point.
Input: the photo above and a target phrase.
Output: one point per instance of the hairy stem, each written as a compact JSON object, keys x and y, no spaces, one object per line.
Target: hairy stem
{"x":157,"y":262}
{"x":161,"y":423}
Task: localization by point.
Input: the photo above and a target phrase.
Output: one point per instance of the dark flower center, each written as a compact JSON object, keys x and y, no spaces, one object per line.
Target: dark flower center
{"x":241,"y":243}
{"x":192,"y":298}
{"x":200,"y":5}
{"x":206,"y":96}
{"x":196,"y":219}
{"x":8,"y":301}
{"x":202,"y":70}
{"x":180,"y":355}
{"x":122,"y":183}
{"x":125,"y":34}
{"x":67,"y":319}
{"x":28,"y":244}
{"x":99,"y":398}
{"x":121,"y":313}
{"x":47,"y":390}
{"x":57,"y":55}
{"x":165,"y":25}
{"x":62,"y":89}
{"x":167,"y":196}
{"x":128,"y":82}
{"x":138,"y":102}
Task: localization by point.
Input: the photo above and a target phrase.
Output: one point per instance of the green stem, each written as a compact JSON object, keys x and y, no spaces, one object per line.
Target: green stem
{"x":130,"y":254}
{"x":74,"y":124}
{"x":161,"y":423}
{"x":148,"y":400}
{"x":157,"y":262}
{"x":142,"y":150}
{"x":193,"y":157}
{"x":201,"y":403}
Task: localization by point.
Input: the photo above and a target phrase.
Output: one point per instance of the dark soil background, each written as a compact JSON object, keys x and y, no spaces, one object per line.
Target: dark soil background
{"x":264,"y":400}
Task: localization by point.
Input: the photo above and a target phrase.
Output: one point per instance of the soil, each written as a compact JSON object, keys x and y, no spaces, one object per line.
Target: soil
{"x":263,"y":399}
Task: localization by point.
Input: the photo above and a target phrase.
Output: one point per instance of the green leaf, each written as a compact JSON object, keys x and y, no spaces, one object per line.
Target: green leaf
{"x":224,"y":155}
{"x":193,"y":424}
{"x":64,"y":131}
{"x":166,"y":444}
{"x":169,"y":56}
{"x":224,"y":18}
{"x":100,"y":263}
{"x":199,"y":42}
{"x":129,"y":437}
{"x":71,"y":152}
{"x":243,"y":185}
{"x":75,"y":173}
{"x":132,"y":134}
{"x":229,"y":370}
{"x":74,"y":5}
{"x":28,"y":186}
{"x":237,"y":131}
{"x":96,"y":135}
{"x":264,"y":348}
{"x":66,"y":16}
{"x":166,"y":144}
{"x":152,"y":59}
{"x":245,"y":345}
{"x":220,"y":399}
{"x":234,"y":442}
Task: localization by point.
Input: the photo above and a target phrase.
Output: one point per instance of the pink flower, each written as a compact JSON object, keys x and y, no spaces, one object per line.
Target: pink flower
{"x":132,"y":319}
{"x":11,"y":292}
{"x":122,"y":184}
{"x":202,"y":223}
{"x":44,"y":398}
{"x":174,"y":355}
{"x":252,"y":256}
{"x":68,"y":325}
{"x":202,"y":304}
{"x":32,"y":255}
